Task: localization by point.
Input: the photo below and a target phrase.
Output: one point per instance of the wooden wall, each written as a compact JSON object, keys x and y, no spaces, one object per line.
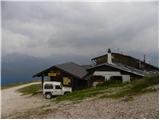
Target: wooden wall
{"x":126,"y":60}
{"x":76,"y":83}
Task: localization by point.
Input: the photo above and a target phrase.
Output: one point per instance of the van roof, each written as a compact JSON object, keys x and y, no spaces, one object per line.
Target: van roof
{"x":54,"y":83}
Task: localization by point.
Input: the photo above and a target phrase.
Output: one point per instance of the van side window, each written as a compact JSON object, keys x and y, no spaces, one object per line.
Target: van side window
{"x":58,"y":87}
{"x":48,"y":86}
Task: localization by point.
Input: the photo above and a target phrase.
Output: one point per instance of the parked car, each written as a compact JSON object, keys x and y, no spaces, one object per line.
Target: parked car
{"x":51,"y":89}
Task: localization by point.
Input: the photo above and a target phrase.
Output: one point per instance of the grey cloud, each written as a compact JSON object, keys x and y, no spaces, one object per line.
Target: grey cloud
{"x":79,"y":27}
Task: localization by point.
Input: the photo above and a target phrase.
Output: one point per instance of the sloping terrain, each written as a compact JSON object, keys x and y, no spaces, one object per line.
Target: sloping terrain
{"x":135,"y":100}
{"x":13,"y":101}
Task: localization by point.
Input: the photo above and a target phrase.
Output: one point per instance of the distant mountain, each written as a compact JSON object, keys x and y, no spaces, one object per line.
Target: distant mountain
{"x":20,"y":68}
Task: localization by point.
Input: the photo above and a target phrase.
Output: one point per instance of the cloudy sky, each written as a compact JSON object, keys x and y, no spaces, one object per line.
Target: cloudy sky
{"x":42,"y":29}
{"x":78,"y":29}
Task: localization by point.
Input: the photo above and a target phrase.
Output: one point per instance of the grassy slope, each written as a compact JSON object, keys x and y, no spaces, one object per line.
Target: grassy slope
{"x":113,"y":90}
{"x":106,"y":90}
{"x":136,"y":87}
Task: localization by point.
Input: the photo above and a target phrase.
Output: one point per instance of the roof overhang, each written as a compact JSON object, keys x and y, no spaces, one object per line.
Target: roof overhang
{"x":44,"y":72}
{"x":117,"y":67}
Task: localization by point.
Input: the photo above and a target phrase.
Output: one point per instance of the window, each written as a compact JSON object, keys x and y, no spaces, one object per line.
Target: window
{"x":58,"y":87}
{"x":115,"y":79}
{"x":48,"y":86}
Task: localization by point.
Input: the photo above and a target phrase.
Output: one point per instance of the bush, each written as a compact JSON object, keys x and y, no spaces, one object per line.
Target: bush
{"x":136,"y":87}
{"x":111,"y":83}
{"x":145,"y":82}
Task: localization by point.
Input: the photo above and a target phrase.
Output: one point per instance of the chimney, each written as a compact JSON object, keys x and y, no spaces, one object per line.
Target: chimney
{"x":109,"y":60}
{"x":144,"y":59}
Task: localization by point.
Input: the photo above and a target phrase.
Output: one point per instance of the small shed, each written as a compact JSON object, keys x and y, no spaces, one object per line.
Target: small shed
{"x":69,"y":74}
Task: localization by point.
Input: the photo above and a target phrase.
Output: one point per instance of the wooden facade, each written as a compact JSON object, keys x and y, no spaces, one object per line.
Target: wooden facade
{"x":67,"y":79}
{"x":112,"y":66}
{"x":126,"y":60}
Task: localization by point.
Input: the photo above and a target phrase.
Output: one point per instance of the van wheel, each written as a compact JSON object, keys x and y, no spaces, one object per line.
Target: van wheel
{"x":48,"y":95}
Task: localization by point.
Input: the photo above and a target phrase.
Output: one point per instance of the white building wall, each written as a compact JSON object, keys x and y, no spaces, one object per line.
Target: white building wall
{"x":109,"y":74}
{"x":106,"y":74}
{"x":126,"y":78}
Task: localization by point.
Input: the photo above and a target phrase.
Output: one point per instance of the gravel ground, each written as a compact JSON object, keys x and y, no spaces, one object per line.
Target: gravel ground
{"x":141,"y":106}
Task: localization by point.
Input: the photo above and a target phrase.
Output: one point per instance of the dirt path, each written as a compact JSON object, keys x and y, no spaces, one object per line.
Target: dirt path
{"x":13,"y":101}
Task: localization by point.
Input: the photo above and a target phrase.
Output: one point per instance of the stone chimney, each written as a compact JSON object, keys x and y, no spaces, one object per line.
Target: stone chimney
{"x":109,"y":60}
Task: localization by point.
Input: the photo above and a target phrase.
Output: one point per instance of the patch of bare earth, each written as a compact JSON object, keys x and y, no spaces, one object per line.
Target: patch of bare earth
{"x":14,"y":102}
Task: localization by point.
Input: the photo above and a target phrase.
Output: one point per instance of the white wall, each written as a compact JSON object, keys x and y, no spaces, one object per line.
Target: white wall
{"x":126,"y":78}
{"x":108,"y":74}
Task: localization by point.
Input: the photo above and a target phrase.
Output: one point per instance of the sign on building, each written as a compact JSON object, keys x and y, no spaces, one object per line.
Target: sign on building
{"x":53,"y":73}
{"x":66,"y":81}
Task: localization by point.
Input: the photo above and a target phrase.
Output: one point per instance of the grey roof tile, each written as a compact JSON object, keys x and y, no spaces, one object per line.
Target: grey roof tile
{"x":69,"y":67}
{"x":73,"y":68}
{"x":123,"y":68}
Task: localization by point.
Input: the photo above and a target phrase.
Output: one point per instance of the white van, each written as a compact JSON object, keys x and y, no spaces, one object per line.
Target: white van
{"x":54,"y":89}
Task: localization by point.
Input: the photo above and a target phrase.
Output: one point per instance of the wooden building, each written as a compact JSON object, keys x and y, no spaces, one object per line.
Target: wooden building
{"x":109,"y":66}
{"x":125,"y":60}
{"x":69,"y":74}
{"x":118,"y":67}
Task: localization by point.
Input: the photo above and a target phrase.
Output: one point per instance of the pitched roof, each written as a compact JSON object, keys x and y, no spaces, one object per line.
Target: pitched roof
{"x":121,"y":67}
{"x":86,"y":66}
{"x":69,"y":67}
{"x":73,"y":68}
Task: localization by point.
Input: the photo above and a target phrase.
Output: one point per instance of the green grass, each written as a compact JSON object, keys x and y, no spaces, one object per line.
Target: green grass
{"x":81,"y":94}
{"x":90,"y":92}
{"x":108,"y":89}
{"x":112,"y":83}
{"x":113,"y":90}
{"x":31,"y":89}
{"x":136,"y":87}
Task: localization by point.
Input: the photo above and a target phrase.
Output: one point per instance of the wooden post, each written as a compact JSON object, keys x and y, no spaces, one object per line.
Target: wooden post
{"x":42,"y":81}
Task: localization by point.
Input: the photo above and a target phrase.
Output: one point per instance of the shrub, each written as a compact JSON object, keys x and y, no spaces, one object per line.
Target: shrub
{"x":111,"y":83}
{"x":136,"y":87}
